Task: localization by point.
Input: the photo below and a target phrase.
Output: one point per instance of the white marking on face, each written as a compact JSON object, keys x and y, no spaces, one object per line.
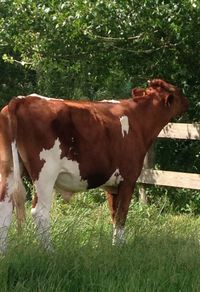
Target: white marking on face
{"x":110,"y":100}
{"x":125,"y":125}
{"x":114,"y":180}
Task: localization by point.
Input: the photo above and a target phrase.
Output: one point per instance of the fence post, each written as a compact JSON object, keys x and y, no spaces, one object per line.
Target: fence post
{"x":148,"y":163}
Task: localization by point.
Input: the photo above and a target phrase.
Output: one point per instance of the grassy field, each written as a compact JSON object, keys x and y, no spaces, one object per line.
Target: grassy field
{"x":162,"y":252}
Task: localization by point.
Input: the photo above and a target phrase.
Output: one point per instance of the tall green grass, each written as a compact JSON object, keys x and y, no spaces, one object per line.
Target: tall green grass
{"x":162,"y":252}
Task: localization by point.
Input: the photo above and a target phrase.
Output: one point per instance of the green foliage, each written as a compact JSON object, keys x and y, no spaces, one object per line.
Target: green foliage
{"x":174,"y":201}
{"x":92,"y":49}
{"x":79,"y":48}
{"x":101,"y":49}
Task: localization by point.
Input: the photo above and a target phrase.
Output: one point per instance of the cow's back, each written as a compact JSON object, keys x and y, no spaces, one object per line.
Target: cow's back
{"x":89,"y":134}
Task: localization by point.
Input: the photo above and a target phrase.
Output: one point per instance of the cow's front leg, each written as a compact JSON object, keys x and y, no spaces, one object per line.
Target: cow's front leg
{"x":118,"y":205}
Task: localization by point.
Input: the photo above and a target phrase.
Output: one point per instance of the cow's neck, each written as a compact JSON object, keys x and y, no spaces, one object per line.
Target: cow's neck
{"x":151,"y":120}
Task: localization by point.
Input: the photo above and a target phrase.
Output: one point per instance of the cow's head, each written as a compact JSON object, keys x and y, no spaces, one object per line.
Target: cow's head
{"x":171,"y":96}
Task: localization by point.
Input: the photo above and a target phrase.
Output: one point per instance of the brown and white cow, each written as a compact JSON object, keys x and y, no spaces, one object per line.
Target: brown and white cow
{"x":74,"y":146}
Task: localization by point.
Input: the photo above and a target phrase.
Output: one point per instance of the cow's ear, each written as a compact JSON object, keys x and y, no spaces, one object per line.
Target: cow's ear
{"x":133,"y":92}
{"x":138,"y":92}
{"x":169,"y":100}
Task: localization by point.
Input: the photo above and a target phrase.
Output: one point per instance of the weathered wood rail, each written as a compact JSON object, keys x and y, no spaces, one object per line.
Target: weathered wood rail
{"x":171,"y":178}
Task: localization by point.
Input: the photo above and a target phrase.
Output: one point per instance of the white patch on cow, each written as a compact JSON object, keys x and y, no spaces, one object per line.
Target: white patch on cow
{"x":58,"y":171}
{"x":44,"y":189}
{"x":16,"y":166}
{"x":6,"y":206}
{"x":125,"y":125}
{"x":65,"y":172}
{"x":69,"y":178}
{"x":45,"y":97}
{"x":6,"y":209}
{"x":10,"y":184}
{"x":114,"y":180}
{"x":38,"y":95}
{"x":110,"y":100}
{"x":118,"y":235}
{"x":21,"y":97}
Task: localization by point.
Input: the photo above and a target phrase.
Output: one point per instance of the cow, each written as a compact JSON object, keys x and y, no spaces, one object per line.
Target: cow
{"x":74,"y":146}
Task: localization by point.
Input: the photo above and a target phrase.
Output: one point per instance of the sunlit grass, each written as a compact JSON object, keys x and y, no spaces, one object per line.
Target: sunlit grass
{"x":162,"y":252}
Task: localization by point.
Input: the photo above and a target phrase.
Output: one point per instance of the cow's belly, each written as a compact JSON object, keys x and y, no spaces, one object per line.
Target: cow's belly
{"x":72,"y":183}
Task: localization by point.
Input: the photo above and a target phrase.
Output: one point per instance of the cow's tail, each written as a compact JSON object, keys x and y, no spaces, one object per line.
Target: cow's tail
{"x":19,"y":192}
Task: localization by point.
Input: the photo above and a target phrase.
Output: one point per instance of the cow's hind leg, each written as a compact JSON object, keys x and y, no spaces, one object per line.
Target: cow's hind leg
{"x":6,"y":209}
{"x":118,"y":204}
{"x":41,"y":211}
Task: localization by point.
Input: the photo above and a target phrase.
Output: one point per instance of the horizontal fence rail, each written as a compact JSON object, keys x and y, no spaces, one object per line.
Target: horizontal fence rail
{"x":171,"y":178}
{"x":181,"y":131}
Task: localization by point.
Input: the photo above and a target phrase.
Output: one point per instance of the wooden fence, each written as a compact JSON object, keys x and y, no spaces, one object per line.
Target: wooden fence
{"x":170,"y":178}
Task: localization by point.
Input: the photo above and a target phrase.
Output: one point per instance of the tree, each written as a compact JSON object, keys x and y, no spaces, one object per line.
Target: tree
{"x":100,"y":49}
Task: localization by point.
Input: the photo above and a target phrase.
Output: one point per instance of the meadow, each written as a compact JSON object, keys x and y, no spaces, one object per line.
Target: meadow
{"x":161,"y":253}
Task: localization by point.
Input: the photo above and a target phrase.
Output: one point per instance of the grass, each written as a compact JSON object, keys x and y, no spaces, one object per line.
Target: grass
{"x":162,"y":252}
